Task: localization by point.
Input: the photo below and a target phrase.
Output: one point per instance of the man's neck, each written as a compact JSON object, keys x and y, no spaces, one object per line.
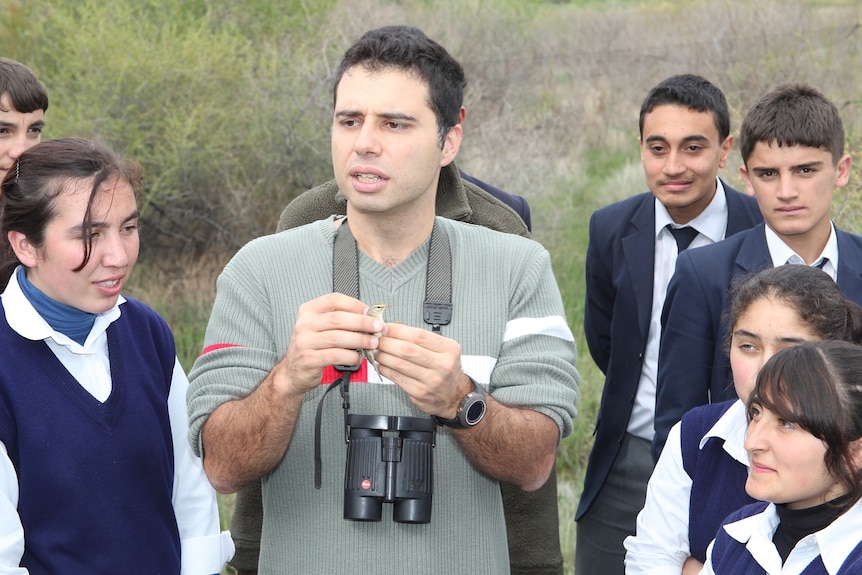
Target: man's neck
{"x":387,"y":240}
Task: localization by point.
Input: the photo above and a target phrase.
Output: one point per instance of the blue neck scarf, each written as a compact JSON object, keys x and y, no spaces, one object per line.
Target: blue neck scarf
{"x":71,"y":322}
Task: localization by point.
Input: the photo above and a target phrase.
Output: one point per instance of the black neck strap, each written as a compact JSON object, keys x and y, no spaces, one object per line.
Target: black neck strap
{"x":436,"y":311}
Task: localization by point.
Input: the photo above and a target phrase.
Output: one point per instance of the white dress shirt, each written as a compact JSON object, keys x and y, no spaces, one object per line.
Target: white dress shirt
{"x":711,"y":225}
{"x":660,"y":545}
{"x":833,"y":543}
{"x":782,"y":254}
{"x":204,"y":548}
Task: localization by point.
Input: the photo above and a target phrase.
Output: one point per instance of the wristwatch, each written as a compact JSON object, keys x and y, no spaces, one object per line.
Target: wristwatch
{"x":471,"y":410}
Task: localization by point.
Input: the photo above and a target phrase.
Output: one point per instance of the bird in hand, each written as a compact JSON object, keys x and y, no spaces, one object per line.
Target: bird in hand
{"x":375,"y":310}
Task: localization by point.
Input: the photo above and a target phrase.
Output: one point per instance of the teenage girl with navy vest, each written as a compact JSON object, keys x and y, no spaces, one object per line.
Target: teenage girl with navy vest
{"x":96,"y":473}
{"x":804,"y":440}
{"x":700,"y":476}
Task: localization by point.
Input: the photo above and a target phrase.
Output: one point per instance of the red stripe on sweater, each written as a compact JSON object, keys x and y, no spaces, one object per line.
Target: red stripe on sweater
{"x":330,"y":374}
{"x":216,"y":346}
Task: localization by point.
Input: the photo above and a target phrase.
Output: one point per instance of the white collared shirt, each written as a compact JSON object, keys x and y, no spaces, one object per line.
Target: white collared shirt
{"x":711,"y":224}
{"x":781,"y":253}
{"x":660,"y":545}
{"x":204,"y":548}
{"x":833,"y":543}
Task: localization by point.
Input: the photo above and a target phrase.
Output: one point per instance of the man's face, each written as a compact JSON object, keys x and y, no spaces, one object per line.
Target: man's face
{"x":681,"y":154}
{"x":793,"y":186}
{"x":385,"y":149}
{"x":18,"y":132}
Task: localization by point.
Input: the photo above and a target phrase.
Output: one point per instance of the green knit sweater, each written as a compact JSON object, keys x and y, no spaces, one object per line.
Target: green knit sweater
{"x":508,"y":318}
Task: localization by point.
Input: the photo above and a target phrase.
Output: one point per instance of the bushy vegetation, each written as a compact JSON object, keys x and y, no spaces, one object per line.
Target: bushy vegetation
{"x":227,"y":106}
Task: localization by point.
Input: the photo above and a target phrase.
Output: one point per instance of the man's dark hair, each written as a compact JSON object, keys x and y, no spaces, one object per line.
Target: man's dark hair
{"x":26,"y":93}
{"x":408,"y":48}
{"x":692,"y":92}
{"x":793,"y":115}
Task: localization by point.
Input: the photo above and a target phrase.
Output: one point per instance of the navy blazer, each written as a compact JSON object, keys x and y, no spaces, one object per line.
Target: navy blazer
{"x":694,"y":368}
{"x":619,"y":281}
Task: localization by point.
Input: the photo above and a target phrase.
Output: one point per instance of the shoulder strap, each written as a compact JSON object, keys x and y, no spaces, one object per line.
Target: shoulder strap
{"x":437,"y":309}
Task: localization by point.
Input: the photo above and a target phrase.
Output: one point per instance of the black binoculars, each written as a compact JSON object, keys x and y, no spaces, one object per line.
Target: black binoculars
{"x":389,"y":459}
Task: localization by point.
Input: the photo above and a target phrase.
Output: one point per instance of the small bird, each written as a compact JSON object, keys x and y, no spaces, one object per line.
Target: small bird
{"x":375,"y":310}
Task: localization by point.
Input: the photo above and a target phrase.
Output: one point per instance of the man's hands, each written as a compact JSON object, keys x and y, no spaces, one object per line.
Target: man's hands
{"x":328,"y":331}
{"x":426,"y":365}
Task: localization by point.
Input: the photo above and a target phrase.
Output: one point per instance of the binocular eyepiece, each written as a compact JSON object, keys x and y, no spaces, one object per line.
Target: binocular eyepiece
{"x":389,"y":459}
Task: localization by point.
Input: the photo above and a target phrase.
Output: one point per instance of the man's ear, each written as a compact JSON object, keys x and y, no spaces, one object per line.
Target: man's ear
{"x":726,"y":147}
{"x":24,"y":250}
{"x":842,"y":171}
{"x":451,"y":144}
{"x":748,"y":187}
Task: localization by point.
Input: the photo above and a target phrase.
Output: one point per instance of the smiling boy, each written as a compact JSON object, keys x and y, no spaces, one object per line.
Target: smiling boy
{"x":684,"y":141}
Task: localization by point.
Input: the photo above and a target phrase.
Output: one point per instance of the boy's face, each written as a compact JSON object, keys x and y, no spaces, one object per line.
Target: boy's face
{"x":793,"y":186}
{"x":18,"y":132}
{"x":681,"y":153}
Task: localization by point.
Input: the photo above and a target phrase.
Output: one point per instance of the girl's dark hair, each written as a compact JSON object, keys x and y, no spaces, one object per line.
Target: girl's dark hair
{"x":816,"y":386}
{"x":29,"y":190}
{"x":808,"y":290}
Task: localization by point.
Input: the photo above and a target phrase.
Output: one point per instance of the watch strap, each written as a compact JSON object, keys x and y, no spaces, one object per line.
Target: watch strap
{"x":469,"y":400}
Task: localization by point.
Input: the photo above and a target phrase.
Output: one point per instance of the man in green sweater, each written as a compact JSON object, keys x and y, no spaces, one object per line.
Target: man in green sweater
{"x":532,"y":518}
{"x":277,"y":329}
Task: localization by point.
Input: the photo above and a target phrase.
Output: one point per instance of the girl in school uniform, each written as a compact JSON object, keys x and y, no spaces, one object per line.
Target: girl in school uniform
{"x":96,"y":473}
{"x":804,"y":440}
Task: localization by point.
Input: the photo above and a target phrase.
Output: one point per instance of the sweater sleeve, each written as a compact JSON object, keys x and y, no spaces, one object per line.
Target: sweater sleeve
{"x":536,"y":364}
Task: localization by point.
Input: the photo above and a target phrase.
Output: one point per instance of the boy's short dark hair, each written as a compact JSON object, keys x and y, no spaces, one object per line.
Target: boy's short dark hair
{"x":692,"y":92}
{"x":26,"y":93}
{"x":793,"y":115}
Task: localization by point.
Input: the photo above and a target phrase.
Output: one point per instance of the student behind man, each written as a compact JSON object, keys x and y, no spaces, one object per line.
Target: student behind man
{"x":277,"y":329}
{"x":532,"y":519}
{"x":23,"y":103}
{"x":792,"y":145}
{"x":685,"y":139}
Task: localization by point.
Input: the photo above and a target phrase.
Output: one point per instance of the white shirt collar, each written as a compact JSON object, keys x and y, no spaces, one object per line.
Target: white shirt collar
{"x":731,"y":427}
{"x":781,"y":252}
{"x":834,"y":543}
{"x":23,"y":318}
{"x":711,"y":222}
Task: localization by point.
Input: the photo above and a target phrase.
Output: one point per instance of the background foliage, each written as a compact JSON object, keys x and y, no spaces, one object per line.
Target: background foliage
{"x":227,"y":105}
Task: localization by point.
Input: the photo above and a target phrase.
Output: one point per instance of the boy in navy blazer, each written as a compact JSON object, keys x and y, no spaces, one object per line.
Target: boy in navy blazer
{"x":684,"y":140}
{"x":792,"y":145}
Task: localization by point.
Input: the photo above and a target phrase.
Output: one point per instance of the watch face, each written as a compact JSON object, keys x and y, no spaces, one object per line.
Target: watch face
{"x":475,"y":412}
